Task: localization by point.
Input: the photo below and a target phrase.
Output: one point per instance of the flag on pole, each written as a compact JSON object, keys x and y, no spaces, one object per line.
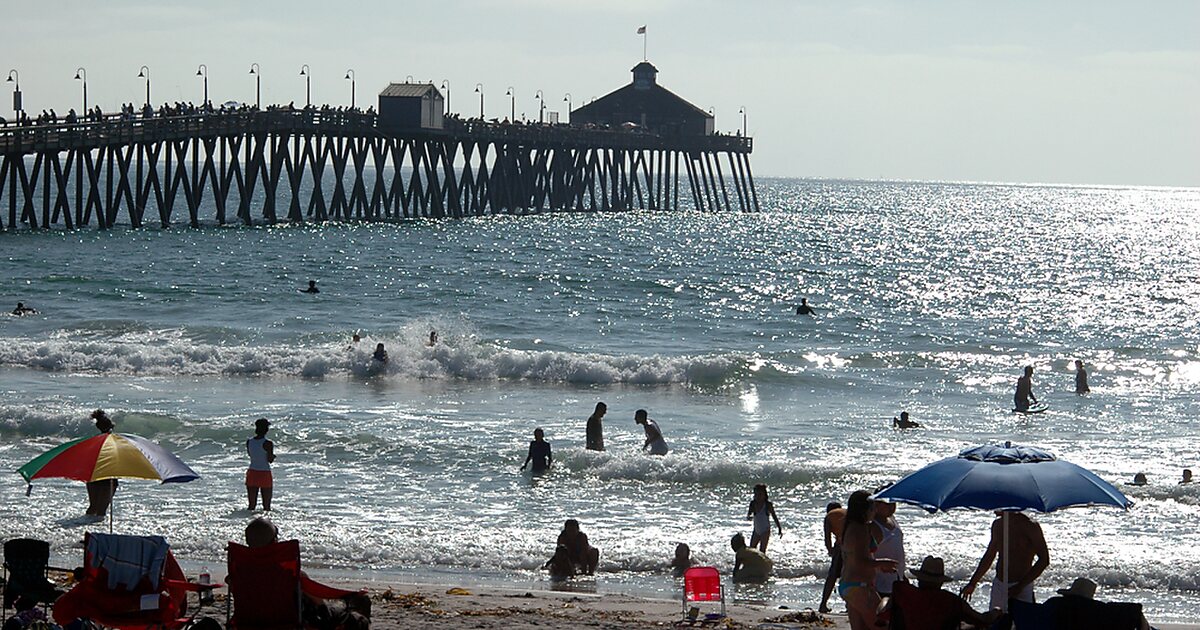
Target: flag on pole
{"x":641,"y":30}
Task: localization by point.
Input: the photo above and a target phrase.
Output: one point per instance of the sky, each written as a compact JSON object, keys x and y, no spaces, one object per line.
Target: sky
{"x":1064,"y":92}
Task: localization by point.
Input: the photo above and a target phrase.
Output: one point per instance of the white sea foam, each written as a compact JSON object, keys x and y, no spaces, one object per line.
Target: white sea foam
{"x":463,"y":358}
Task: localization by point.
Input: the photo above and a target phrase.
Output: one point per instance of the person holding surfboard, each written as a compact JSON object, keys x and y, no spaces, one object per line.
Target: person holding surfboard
{"x":1024,"y":392}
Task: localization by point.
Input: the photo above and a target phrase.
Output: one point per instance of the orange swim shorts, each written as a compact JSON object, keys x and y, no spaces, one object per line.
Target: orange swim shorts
{"x":259,"y":479}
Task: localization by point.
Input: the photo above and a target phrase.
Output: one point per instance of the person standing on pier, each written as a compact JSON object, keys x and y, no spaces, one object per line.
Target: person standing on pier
{"x":258,"y":476}
{"x":595,"y":428}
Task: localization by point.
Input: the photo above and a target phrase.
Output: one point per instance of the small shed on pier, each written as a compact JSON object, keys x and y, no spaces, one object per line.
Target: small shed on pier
{"x":411,"y":106}
{"x":648,"y":105}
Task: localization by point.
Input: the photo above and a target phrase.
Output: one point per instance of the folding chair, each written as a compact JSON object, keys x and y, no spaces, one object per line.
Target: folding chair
{"x":702,"y":584}
{"x":26,"y":563}
{"x":130,"y":583}
{"x":266,"y":587}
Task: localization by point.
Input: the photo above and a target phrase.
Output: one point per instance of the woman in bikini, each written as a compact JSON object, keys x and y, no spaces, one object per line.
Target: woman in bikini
{"x":859,"y":564}
{"x":762,"y":511}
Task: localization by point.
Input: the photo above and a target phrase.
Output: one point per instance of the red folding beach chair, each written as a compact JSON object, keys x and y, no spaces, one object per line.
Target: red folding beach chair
{"x":266,"y":587}
{"x":702,"y":584}
{"x":129,"y":582}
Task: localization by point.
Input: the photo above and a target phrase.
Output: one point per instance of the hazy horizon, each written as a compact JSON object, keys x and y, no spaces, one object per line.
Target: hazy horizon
{"x":1072,"y":94}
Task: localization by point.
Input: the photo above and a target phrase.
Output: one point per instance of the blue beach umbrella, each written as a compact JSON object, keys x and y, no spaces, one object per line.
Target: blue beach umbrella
{"x":1003,"y":477}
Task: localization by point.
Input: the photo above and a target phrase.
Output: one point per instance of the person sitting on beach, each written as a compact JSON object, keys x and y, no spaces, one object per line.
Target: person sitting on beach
{"x":804,"y":308}
{"x":1081,"y":384}
{"x":1077,"y":607}
{"x":904,"y":423}
{"x":749,"y":564}
{"x":835,"y":521}
{"x":761,"y":510}
{"x":927,"y":606}
{"x":859,"y":564}
{"x":1024,"y":392}
{"x":23,"y":310}
{"x":584,"y":557}
{"x":101,"y":492}
{"x":682,"y":560}
{"x":1187,"y":476}
{"x":595,"y":428}
{"x":351,"y":612}
{"x":559,"y":565}
{"x":258,"y":475}
{"x":312,"y":287}
{"x":654,"y":437}
{"x":539,"y":453}
{"x":1025,"y":541}
{"x":380,"y":354}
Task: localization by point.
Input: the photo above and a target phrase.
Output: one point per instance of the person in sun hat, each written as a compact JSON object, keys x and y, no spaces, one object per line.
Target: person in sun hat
{"x":1077,"y":607}
{"x":927,"y":606}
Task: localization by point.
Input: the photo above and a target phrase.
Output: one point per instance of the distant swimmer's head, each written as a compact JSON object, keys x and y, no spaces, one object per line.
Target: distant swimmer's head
{"x":20,"y":305}
{"x":833,"y":505}
{"x":760,"y":491}
{"x":261,"y":426}
{"x":904,"y":416}
{"x":682,"y":551}
{"x":601,"y":409}
{"x":378,"y":346}
{"x":103,"y":423}
{"x":356,"y":337}
{"x":1187,"y":475}
{"x":260,"y":533}
{"x":1028,"y":370}
{"x":803,"y":301}
{"x":640,"y":416}
{"x":538,"y":434}
{"x":1140,"y":479}
{"x":312,"y":284}
{"x":1078,"y":364}
{"x":738,"y":542}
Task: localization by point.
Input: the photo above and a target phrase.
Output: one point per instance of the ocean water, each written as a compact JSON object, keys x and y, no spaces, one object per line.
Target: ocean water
{"x":930,"y":298}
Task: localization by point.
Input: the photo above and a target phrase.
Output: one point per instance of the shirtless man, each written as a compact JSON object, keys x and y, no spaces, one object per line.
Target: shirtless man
{"x":1024,"y":391}
{"x":1025,"y":541}
{"x":1081,"y":384}
{"x":904,"y":423}
{"x":835,"y":520}
{"x":804,"y":308}
{"x":595,"y":428}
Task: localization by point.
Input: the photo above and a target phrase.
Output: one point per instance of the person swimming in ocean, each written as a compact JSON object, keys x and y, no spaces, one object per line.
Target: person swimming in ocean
{"x":433,"y":338}
{"x":1187,"y":476}
{"x":762,"y":510}
{"x":539,"y":453}
{"x":23,"y":310}
{"x":312,"y":287}
{"x":595,"y":428}
{"x":380,"y":354}
{"x":354,"y":339}
{"x":904,"y":423}
{"x":804,"y":308}
{"x":1024,"y":392}
{"x":1081,"y":383}
{"x":654,"y":437}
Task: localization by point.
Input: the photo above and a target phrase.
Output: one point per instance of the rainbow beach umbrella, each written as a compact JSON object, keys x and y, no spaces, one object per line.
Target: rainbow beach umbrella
{"x":108,"y":456}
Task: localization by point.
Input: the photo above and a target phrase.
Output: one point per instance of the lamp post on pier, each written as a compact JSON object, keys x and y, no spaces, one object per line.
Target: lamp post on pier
{"x":350,"y":76}
{"x":479,"y":91}
{"x":257,"y":72}
{"x":17,"y":108}
{"x":446,"y":86}
{"x":512,"y":116}
{"x":541,"y":106}
{"x":202,"y":71}
{"x":144,"y":73}
{"x":567,"y":99}
{"x":81,"y":75}
{"x":743,"y":113}
{"x":307,"y":85}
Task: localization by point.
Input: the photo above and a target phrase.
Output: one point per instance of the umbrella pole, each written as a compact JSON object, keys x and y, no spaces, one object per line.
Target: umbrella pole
{"x":1007,"y":595}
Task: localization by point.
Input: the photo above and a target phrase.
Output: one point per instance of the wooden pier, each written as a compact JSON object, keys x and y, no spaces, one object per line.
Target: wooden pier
{"x":252,"y":166}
